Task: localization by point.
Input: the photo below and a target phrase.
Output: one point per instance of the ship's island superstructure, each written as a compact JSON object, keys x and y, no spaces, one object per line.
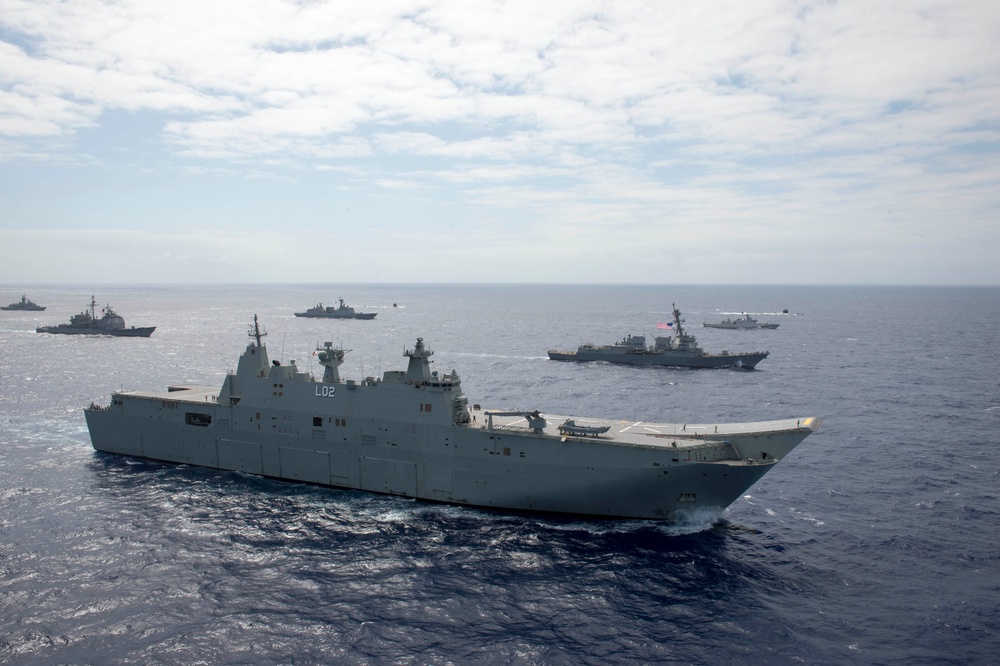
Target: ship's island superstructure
{"x":411,"y":433}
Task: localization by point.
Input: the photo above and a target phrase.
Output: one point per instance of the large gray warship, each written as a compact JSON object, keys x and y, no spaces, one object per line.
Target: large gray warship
{"x":679,"y":350}
{"x":342,"y":311}
{"x":87,"y":323}
{"x":411,"y":433}
{"x":744,"y":323}
{"x":24,"y":304}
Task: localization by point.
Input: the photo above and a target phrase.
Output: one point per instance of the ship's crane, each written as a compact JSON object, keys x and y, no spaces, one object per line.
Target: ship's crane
{"x":535,"y":420}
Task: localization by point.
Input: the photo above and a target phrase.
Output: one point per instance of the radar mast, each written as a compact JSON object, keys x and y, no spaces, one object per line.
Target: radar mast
{"x":257,"y":331}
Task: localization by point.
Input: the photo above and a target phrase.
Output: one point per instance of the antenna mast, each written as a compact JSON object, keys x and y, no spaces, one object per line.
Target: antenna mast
{"x":257,"y":331}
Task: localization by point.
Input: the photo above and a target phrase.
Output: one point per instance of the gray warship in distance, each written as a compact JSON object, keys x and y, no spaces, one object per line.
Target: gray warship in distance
{"x":679,"y":350}
{"x":24,"y":304}
{"x":744,"y":323}
{"x":411,"y":433}
{"x":87,"y":323}
{"x":340,"y":312}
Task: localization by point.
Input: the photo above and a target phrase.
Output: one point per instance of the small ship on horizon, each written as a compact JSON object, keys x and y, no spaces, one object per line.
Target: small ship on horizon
{"x":744,"y":323}
{"x":340,"y":312}
{"x":25,"y":304}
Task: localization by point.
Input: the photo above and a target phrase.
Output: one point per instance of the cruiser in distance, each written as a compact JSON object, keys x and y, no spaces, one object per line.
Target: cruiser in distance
{"x":87,"y":323}
{"x":411,"y":433}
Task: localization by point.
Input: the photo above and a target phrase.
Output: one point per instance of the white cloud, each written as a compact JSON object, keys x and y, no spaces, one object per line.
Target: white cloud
{"x":772,"y":125}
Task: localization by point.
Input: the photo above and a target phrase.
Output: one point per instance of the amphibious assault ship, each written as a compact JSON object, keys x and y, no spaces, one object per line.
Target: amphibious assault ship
{"x":679,"y":350}
{"x":24,"y":304}
{"x":746,"y":322}
{"x":411,"y":433}
{"x":342,"y":311}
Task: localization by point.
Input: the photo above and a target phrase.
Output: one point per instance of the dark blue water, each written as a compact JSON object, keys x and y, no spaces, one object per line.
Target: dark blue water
{"x":875,"y":542}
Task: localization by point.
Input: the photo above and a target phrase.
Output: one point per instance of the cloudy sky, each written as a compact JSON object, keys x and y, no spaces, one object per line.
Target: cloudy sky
{"x":466,"y":141}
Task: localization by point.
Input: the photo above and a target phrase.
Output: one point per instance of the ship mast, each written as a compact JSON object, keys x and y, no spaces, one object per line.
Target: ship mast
{"x":677,"y":320}
{"x":419,"y":368}
{"x":257,"y":331}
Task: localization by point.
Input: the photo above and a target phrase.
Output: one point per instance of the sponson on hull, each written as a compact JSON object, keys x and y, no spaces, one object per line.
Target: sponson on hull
{"x":411,"y":433}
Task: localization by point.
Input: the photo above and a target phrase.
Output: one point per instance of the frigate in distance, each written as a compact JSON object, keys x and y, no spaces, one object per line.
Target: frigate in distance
{"x":679,"y":350}
{"x":744,"y":323}
{"x":342,"y":311}
{"x":24,"y":304}
{"x":412,"y":433}
{"x":88,"y":323}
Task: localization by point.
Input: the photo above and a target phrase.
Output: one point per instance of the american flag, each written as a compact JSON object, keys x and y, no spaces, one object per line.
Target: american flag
{"x":666,"y":325}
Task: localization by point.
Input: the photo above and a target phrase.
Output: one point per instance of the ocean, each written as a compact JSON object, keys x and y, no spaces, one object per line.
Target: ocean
{"x":874,"y":542}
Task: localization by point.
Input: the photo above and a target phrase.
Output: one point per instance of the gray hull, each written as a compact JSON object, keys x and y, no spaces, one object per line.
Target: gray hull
{"x":747,"y":361}
{"x":340,"y":311}
{"x":744,"y":323}
{"x":134,"y":332}
{"x":739,"y":327}
{"x":24,"y":305}
{"x":334,"y":315}
{"x":411,"y":434}
{"x":551,"y":482}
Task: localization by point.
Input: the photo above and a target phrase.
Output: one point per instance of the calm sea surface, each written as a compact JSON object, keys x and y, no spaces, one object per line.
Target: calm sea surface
{"x":875,"y":542}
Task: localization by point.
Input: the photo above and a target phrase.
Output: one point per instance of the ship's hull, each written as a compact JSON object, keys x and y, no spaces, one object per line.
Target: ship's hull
{"x":411,"y":433}
{"x":730,"y":327}
{"x":643,"y":471}
{"x":36,"y":308}
{"x":747,"y":361}
{"x":134,"y":332}
{"x":334,"y":315}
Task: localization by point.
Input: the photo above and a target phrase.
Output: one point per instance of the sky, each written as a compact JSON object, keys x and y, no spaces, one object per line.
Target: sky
{"x":659,"y":142}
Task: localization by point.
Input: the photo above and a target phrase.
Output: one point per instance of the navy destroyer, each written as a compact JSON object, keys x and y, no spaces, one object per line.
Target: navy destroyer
{"x":412,"y":433}
{"x":744,"y":323}
{"x":88,"y":323}
{"x":678,"y":350}
{"x":342,"y":311}
{"x":24,"y":304}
